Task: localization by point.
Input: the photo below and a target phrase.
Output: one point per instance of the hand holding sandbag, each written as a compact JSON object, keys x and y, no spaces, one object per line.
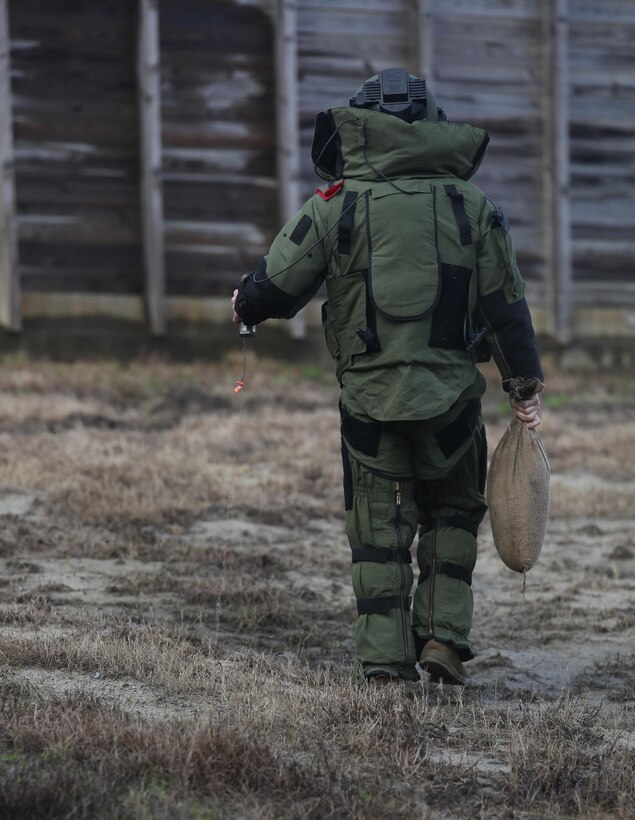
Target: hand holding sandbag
{"x":526,"y":410}
{"x":518,"y":496}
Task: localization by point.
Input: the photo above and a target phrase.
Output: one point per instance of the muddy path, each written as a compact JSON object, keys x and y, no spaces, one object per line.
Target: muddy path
{"x":148,"y":541}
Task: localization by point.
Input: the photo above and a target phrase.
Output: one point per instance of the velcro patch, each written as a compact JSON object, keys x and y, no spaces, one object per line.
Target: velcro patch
{"x":301,"y":230}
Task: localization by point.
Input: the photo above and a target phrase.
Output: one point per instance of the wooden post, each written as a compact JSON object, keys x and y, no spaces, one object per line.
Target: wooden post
{"x":149,"y":87}
{"x":556,"y":173}
{"x":287,"y":123}
{"x":424,"y":41}
{"x":9,"y":275}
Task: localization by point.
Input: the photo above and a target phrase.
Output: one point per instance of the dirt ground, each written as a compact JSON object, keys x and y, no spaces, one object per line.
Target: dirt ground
{"x":176,"y":612}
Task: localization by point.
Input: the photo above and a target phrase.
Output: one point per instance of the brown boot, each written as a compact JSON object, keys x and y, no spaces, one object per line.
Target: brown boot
{"x":442,"y":663}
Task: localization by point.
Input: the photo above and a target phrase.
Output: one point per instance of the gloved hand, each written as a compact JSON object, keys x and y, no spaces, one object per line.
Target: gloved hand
{"x":236,"y":318}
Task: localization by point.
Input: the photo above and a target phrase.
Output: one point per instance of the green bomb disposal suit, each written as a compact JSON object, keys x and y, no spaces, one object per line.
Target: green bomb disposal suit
{"x":418,"y":270}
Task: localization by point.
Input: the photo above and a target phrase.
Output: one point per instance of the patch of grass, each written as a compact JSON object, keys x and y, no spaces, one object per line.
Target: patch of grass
{"x":149,"y":700}
{"x":75,"y":757}
{"x":141,"y":652}
{"x":246,"y":604}
{"x":563,"y":762}
{"x":554,"y":401}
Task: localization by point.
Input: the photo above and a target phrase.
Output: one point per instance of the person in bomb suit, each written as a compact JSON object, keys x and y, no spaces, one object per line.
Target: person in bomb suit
{"x":421,"y":277}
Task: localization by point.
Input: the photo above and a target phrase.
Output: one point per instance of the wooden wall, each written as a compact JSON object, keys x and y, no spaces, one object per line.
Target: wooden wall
{"x":218,"y":121}
{"x":553,"y":81}
{"x":602,"y":123}
{"x":340,"y":44}
{"x":76,"y":145}
{"x":487,"y":69}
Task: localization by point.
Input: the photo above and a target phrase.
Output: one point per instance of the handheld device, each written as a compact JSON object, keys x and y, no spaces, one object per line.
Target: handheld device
{"x":243,"y":329}
{"x":246,"y":330}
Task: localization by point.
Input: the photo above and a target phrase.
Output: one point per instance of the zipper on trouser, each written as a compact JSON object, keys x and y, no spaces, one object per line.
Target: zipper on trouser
{"x":433,"y":572}
{"x":402,"y":589}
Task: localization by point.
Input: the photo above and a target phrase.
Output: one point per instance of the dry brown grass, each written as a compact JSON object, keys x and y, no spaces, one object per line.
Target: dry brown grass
{"x":78,"y":758}
{"x":565,"y":760}
{"x":195,"y":661}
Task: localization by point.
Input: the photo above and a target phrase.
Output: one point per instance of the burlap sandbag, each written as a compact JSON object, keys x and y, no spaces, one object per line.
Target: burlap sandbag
{"x":518,"y":491}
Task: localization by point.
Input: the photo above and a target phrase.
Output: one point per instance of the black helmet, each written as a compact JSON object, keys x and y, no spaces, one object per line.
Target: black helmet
{"x":394,"y":91}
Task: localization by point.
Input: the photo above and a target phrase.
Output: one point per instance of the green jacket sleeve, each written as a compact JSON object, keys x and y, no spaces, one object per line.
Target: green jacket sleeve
{"x":502,"y":304}
{"x":290,"y":274}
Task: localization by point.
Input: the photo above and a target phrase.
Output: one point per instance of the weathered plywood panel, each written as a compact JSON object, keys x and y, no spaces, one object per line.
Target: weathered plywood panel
{"x":75,"y":114}
{"x":338,"y":50}
{"x":218,"y":117}
{"x":602,"y":115}
{"x":619,"y":12}
{"x":148,"y":78}
{"x":488,"y":70}
{"x":76,"y":129}
{"x":488,"y":9}
{"x":9,"y":276}
{"x":81,"y":267}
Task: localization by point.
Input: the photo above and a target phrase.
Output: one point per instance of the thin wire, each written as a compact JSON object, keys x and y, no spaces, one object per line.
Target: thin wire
{"x":385,"y":178}
{"x":315,"y":244}
{"x":326,"y":145}
{"x":228,"y":506}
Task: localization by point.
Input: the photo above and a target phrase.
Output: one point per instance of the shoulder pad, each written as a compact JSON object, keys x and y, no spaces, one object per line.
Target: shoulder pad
{"x":499,"y":220}
{"x":331,"y":191}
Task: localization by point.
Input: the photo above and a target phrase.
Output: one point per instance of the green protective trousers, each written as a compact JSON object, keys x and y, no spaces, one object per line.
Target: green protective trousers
{"x":398,"y":475}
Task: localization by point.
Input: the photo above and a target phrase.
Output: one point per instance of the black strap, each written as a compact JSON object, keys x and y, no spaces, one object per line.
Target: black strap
{"x":369,"y":334}
{"x":458,"y":207}
{"x":301,"y":230}
{"x":346,"y":222}
{"x":381,"y":606}
{"x":459,"y":521}
{"x":380,"y":556}
{"x":445,"y":568}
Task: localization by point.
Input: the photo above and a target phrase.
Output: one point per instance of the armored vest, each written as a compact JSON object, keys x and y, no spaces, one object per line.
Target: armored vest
{"x":402,"y":287}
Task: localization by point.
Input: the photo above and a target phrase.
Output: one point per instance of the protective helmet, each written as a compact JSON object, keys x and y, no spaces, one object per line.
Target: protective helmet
{"x":394,"y":91}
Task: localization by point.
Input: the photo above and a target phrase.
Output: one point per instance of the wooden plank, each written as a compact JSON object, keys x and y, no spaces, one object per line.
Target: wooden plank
{"x":603,"y":322}
{"x":288,"y":123}
{"x":486,"y":9}
{"x":46,"y":305}
{"x":219,"y":137}
{"x":76,"y":145}
{"x":353,"y":24}
{"x":548,"y":174}
{"x":424,"y":41}
{"x":150,"y":147}
{"x":556,"y":171}
{"x":80,"y":230}
{"x":327,"y":8}
{"x":620,"y":12}
{"x":379,"y":49}
{"x":9,"y":275}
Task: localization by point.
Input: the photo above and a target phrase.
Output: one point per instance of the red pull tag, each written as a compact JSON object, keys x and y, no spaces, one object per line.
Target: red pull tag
{"x":330,"y":192}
